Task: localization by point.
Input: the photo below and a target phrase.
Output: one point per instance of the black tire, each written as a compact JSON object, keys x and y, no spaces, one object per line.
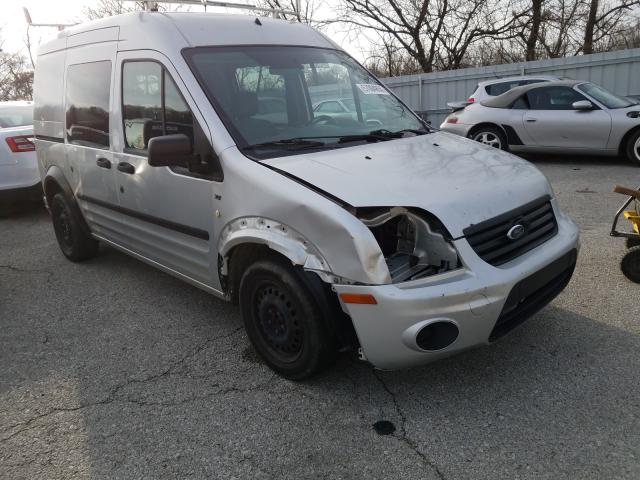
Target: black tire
{"x":632,"y":242}
{"x":76,"y":244}
{"x":491,"y":136}
{"x":630,"y":264}
{"x":284,"y":319}
{"x":632,"y":148}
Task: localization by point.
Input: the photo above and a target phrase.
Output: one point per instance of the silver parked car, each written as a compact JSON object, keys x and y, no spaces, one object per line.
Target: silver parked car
{"x":555,"y":117}
{"x":498,"y":86}
{"x":396,"y":241}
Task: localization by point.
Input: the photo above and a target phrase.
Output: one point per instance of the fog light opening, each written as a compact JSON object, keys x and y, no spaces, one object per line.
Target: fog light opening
{"x":437,"y":335}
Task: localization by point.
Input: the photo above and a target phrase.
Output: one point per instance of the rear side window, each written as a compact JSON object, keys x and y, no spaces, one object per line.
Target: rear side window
{"x":500,"y":88}
{"x":87,"y":99}
{"x":152,"y":105}
{"x":48,"y":94}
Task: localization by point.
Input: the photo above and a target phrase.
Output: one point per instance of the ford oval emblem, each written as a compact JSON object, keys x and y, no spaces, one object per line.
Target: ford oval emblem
{"x":516,"y":232}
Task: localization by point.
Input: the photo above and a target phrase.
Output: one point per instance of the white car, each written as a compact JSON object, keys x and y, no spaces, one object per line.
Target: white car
{"x":498,"y":86}
{"x":19,"y":175}
{"x":558,"y":117}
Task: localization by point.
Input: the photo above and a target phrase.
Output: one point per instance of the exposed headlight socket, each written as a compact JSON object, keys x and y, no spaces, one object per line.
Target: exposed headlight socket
{"x":414,"y":246}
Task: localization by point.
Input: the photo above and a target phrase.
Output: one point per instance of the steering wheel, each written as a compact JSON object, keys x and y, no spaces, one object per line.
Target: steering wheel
{"x":323,"y":119}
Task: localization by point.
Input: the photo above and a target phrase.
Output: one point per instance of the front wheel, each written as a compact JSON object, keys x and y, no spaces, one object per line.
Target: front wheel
{"x":490,"y":136}
{"x":633,"y":148}
{"x":284,"y":320}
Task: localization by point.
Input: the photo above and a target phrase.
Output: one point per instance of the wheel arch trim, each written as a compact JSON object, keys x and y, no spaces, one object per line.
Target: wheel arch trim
{"x":55,"y":178}
{"x":478,"y":126}
{"x":625,"y":138}
{"x":276,"y":236}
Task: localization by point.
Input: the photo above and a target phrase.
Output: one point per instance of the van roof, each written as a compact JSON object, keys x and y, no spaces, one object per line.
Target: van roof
{"x":155,"y":30}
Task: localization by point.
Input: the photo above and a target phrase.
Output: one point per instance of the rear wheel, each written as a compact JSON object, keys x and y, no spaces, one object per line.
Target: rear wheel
{"x":491,"y":136}
{"x":284,"y":320}
{"x":630,"y":264}
{"x":74,"y":242}
{"x":633,"y":148}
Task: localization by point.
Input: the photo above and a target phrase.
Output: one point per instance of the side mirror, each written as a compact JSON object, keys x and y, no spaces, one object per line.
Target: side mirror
{"x":169,"y":150}
{"x":582,"y":105}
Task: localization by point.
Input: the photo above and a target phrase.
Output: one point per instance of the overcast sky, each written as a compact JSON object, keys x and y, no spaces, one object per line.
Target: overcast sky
{"x":14,"y":27}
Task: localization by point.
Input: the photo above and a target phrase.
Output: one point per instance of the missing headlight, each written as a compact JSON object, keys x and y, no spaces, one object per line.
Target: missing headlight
{"x":413,"y":246}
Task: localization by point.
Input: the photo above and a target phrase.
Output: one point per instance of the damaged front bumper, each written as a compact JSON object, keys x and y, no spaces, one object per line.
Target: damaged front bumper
{"x":460,"y":309}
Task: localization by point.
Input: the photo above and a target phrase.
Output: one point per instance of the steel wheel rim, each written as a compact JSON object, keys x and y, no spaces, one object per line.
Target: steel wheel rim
{"x":636,"y":149}
{"x":488,"y":138}
{"x":63,"y":228}
{"x":277,"y":319}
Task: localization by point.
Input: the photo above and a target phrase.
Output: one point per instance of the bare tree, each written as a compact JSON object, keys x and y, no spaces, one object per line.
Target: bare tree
{"x":437,"y":34}
{"x":606,"y":19}
{"x":389,"y":60}
{"x":16,"y":79}
{"x":28,"y":44}
{"x":109,"y":8}
{"x":534,"y":30}
{"x":306,"y":14}
{"x":449,"y":34}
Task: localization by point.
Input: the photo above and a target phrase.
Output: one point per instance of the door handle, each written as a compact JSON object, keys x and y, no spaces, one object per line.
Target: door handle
{"x":126,"y":167}
{"x":531,"y":120}
{"x":103,"y":163}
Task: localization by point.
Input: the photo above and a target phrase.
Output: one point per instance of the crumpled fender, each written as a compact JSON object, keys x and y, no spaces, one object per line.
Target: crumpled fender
{"x":278,"y":237}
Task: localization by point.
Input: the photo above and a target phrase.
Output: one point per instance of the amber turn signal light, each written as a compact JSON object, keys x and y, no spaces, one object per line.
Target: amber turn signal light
{"x":359,"y":298}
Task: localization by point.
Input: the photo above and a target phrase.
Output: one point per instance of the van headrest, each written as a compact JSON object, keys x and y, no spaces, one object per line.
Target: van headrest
{"x":246,"y":104}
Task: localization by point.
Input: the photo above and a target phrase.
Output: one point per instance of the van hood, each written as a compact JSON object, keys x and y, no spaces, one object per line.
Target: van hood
{"x":459,"y":181}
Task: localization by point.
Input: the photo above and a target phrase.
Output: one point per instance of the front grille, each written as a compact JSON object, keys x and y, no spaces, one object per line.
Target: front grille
{"x":490,"y":241}
{"x":534,"y":292}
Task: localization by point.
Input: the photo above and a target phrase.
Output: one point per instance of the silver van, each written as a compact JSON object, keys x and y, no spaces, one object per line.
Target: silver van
{"x":190,"y":142}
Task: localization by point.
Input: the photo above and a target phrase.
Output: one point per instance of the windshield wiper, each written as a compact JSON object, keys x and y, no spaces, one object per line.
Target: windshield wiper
{"x":301,"y":143}
{"x":379,"y":135}
{"x":290,"y":143}
{"x":399,"y":133}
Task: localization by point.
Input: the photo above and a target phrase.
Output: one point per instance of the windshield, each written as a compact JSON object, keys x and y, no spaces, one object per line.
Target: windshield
{"x":16,"y":116}
{"x":269,"y":96}
{"x":603,"y":96}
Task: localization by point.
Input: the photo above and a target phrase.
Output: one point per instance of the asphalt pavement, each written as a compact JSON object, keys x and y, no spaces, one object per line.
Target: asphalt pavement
{"x":112,"y":369}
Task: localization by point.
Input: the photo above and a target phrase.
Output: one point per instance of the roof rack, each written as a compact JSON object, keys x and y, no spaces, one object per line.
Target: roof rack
{"x":152,"y":6}
{"x":59,"y":26}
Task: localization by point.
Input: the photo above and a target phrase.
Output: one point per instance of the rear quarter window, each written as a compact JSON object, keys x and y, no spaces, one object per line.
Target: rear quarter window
{"x":48,"y":96}
{"x":500,"y":88}
{"x":87,"y":99}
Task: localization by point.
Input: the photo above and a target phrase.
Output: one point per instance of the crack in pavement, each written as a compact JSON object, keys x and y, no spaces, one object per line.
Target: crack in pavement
{"x":112,"y":395}
{"x":41,"y":271}
{"x":209,"y":395}
{"x":13,"y":268}
{"x":403,"y":436}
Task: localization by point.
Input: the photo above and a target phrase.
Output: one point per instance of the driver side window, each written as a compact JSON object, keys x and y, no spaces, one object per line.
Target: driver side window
{"x":553,"y":98}
{"x":152,"y":105}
